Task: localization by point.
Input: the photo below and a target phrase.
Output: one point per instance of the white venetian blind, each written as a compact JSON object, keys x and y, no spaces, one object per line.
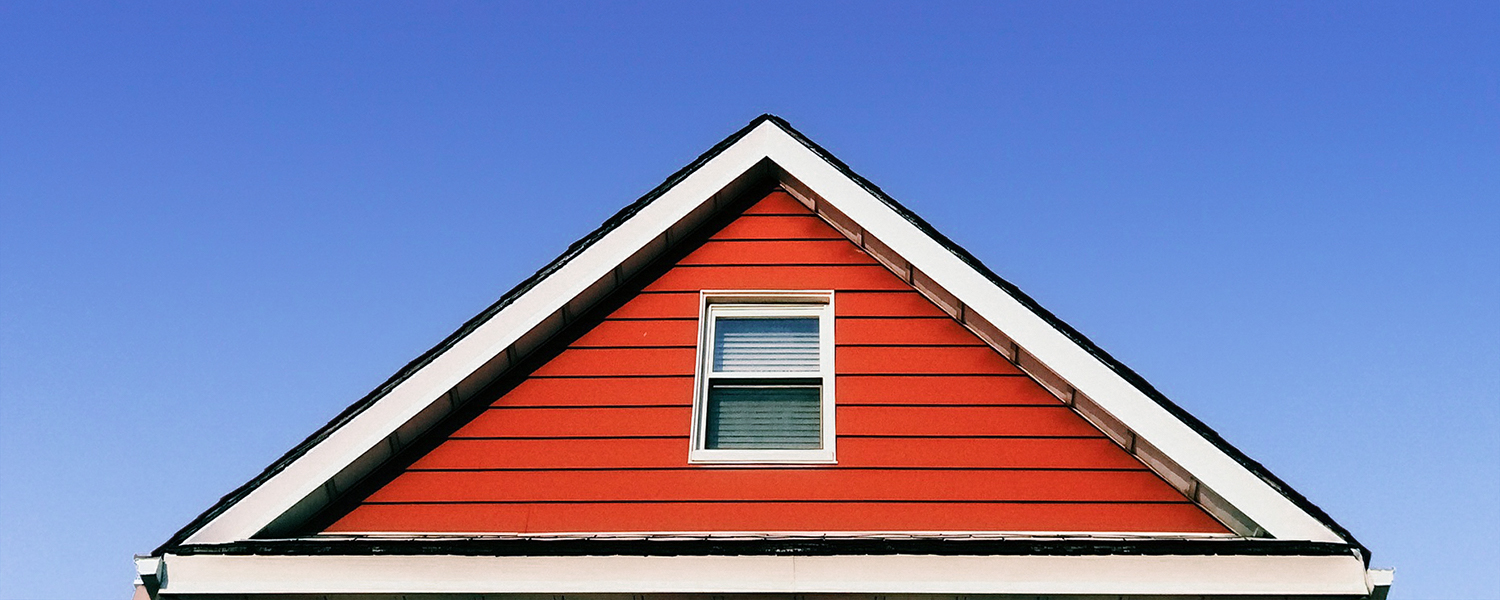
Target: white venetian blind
{"x":765,"y":344}
{"x":765,"y":416}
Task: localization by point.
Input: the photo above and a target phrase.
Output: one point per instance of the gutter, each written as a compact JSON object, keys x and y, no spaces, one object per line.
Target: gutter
{"x":150,"y":574}
{"x":1379,"y":581}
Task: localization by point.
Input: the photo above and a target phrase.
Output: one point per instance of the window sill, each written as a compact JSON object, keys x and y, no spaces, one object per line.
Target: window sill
{"x":762,"y":457}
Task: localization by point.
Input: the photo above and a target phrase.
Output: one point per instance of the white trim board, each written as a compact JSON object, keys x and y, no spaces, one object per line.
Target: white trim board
{"x":1114,"y":576}
{"x":648,"y":232}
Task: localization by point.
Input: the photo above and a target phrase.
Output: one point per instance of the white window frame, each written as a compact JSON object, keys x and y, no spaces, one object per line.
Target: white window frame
{"x":742,"y":303}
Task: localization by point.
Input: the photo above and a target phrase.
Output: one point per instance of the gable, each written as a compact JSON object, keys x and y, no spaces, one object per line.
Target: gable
{"x":936,"y":430}
{"x":585,"y":330}
{"x":505,"y":340}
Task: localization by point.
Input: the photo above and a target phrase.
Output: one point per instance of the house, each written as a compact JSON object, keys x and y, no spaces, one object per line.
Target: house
{"x":767,"y":378}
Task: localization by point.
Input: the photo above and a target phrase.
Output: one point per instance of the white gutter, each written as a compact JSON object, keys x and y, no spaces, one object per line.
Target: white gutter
{"x":1379,"y":581}
{"x":150,"y":573}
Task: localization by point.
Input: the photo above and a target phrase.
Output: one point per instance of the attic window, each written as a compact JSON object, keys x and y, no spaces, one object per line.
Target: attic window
{"x":764,"y":389}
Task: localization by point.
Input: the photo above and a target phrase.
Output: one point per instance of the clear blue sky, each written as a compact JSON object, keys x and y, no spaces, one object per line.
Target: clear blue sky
{"x":220,"y":223}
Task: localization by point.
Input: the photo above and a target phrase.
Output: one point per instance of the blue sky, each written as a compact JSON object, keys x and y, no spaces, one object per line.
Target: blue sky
{"x":222,"y":222}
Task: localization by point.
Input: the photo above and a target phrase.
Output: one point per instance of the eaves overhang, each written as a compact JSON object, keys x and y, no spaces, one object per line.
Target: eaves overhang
{"x":852,"y":577}
{"x":785,"y":546}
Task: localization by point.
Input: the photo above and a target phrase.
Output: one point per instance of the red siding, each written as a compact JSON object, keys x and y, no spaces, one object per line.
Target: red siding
{"x":936,"y":431}
{"x":855,"y":452}
{"x":781,"y":485}
{"x":774,"y":517}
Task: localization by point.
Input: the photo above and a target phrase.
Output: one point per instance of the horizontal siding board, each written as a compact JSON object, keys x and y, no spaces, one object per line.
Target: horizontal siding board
{"x":640,"y":333}
{"x":1034,"y":453}
{"x":723,"y":485}
{"x":854,"y":453}
{"x":837,"y":277}
{"x":955,"y":421}
{"x":768,"y":227}
{"x":904,"y":303}
{"x":902,"y":360}
{"x":674,"y":305}
{"x":596,"y":362}
{"x":568,"y":422}
{"x":778,"y":517}
{"x":778,"y":203}
{"x":946,"y":332}
{"x":600,"y":391}
{"x":887,"y":304}
{"x":776,"y":252}
{"x":941,"y":389}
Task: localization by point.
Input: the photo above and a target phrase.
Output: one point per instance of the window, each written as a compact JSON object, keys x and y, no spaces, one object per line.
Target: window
{"x":765,"y":378}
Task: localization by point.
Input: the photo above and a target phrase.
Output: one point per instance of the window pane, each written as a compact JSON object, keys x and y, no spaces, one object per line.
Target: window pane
{"x":747,"y":344}
{"x":783,"y":417}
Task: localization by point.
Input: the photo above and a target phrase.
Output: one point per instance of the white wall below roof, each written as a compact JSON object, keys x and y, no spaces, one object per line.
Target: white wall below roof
{"x":899,"y":574}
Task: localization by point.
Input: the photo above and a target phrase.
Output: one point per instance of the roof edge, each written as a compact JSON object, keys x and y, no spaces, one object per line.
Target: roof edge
{"x":1077,"y":337}
{"x":785,"y":547}
{"x":359,"y":406}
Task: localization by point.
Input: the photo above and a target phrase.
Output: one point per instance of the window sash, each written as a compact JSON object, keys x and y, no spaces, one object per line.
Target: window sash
{"x":778,"y":415}
{"x":785,"y":344}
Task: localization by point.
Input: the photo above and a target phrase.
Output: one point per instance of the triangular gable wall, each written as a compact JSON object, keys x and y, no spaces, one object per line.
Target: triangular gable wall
{"x":1187,"y":454}
{"x":937,"y":431}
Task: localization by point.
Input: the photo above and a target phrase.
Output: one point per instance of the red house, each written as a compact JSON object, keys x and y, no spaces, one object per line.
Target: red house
{"x":768,"y":378}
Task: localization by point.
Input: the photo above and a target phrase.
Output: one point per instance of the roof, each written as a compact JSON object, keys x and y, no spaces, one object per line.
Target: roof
{"x":768,"y":146}
{"x":416,"y":364}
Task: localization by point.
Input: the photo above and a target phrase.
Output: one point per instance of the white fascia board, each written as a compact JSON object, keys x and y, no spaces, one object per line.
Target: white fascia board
{"x":1212,"y":466}
{"x":428,"y":384}
{"x":894,"y":574}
